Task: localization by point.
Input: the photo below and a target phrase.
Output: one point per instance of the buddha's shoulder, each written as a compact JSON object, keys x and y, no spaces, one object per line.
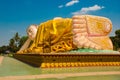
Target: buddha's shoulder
{"x":60,"y":18}
{"x":56,"y":19}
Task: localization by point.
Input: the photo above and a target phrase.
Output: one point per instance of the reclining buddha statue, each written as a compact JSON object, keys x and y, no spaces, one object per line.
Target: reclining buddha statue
{"x":65,"y":34}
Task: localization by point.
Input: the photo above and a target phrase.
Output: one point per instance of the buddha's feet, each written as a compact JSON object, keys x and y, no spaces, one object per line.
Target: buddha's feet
{"x":91,"y":32}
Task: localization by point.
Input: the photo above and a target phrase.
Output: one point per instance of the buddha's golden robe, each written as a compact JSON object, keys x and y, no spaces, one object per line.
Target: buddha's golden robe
{"x":53,"y":36}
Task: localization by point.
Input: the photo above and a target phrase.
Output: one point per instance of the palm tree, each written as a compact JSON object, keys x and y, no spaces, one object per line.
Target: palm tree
{"x":17,"y":39}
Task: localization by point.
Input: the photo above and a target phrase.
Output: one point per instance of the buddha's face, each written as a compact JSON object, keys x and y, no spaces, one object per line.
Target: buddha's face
{"x":32,"y":31}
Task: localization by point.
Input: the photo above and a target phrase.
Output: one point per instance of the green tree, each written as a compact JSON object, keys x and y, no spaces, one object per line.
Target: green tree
{"x":17,"y":39}
{"x":4,"y":49}
{"x":116,"y":40}
{"x":14,"y":43}
{"x":117,"y":33}
{"x":22,"y":41}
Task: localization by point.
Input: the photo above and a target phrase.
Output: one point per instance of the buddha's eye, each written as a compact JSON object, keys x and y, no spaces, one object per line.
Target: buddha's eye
{"x":30,"y":30}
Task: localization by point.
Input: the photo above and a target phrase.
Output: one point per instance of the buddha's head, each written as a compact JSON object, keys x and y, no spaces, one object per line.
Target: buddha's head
{"x":32,"y":31}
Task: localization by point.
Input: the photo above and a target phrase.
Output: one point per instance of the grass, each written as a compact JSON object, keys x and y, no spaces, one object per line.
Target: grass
{"x":106,"y":77}
{"x":13,"y":67}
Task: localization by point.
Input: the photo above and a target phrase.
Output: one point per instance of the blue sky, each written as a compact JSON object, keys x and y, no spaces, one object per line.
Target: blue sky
{"x":17,"y":15}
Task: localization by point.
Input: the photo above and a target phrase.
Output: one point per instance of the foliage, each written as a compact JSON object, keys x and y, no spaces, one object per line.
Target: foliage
{"x":22,"y":41}
{"x":117,"y":32}
{"x":4,"y":49}
{"x":116,"y":40}
{"x":14,"y":45}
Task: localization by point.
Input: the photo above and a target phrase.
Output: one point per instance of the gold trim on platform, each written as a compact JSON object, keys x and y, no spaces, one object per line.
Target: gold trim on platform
{"x":54,"y":60}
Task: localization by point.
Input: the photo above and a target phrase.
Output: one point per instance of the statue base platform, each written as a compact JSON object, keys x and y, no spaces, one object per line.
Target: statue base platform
{"x":59,"y":60}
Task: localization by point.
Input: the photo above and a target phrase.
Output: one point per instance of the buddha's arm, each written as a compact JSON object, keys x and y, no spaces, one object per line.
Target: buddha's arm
{"x":63,"y":27}
{"x":25,"y":46}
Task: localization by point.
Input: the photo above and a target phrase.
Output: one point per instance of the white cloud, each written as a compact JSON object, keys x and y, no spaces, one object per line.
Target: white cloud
{"x":71,"y":3}
{"x":60,"y":6}
{"x":88,"y":9}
